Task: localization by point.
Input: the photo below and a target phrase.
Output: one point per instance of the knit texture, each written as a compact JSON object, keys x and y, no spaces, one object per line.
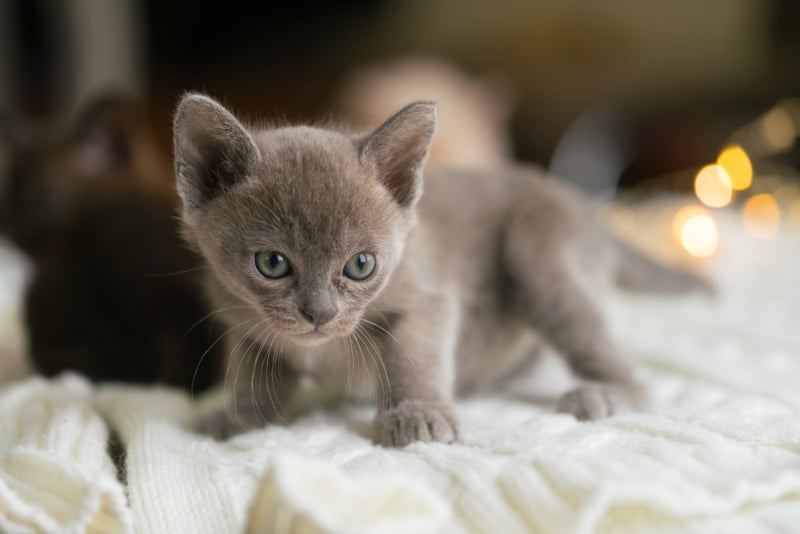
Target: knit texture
{"x":717,"y":449}
{"x":55,"y":473}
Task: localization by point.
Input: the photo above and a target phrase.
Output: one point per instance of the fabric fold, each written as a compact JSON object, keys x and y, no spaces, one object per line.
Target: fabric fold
{"x":55,"y":473}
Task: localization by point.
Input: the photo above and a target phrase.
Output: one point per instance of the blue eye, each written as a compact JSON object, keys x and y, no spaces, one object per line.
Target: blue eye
{"x":272,"y":264}
{"x":360,"y":266}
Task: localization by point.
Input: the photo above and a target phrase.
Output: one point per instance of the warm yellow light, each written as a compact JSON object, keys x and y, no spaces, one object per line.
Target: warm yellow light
{"x":682,"y":216}
{"x":695,"y":230}
{"x":699,"y":236}
{"x":762,"y":216}
{"x":712,"y":185}
{"x":736,"y":163}
{"x":778,"y":129}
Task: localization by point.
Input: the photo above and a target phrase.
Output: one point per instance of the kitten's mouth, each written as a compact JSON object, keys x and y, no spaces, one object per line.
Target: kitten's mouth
{"x":311,"y":334}
{"x":313,"y":337}
{"x":306,"y":334}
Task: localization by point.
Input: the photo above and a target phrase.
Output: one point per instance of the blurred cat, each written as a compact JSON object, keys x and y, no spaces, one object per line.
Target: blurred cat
{"x":114,"y":293}
{"x":330,"y":262}
{"x":472,"y":130}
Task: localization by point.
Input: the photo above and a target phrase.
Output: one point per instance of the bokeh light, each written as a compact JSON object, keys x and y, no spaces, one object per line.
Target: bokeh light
{"x":695,"y":230}
{"x":712,"y":185}
{"x":778,"y":129}
{"x":699,"y":236}
{"x":762,"y":216}
{"x":682,"y":216}
{"x":737,"y":164}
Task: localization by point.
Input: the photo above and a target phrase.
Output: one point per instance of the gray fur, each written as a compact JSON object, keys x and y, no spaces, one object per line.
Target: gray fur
{"x":473,"y":276}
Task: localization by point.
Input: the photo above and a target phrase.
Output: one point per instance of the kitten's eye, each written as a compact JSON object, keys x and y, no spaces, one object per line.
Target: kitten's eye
{"x":360,"y":266}
{"x":272,"y":264}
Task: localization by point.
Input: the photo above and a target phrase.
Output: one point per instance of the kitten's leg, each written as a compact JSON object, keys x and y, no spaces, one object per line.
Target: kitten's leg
{"x":261,"y":391}
{"x":551,"y":298}
{"x":419,"y":360}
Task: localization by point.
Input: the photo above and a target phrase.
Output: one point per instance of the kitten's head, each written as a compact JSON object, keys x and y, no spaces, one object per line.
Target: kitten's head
{"x":50,"y":166}
{"x":304,"y":224}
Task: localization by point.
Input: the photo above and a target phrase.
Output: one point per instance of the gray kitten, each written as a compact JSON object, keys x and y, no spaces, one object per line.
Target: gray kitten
{"x":328,"y":260}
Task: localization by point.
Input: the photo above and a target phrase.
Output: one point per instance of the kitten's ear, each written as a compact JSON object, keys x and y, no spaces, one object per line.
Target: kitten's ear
{"x":398,"y":149}
{"x":106,"y":133}
{"x":213,"y":151}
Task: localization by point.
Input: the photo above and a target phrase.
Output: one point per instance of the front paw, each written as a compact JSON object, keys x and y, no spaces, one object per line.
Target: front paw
{"x":416,"y":420}
{"x":596,"y":400}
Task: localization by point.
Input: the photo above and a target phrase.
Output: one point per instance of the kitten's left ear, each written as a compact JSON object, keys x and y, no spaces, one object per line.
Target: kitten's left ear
{"x":398,"y":149}
{"x":213,"y":151}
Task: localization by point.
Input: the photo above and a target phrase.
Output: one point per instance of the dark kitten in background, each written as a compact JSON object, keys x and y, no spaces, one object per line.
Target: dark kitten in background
{"x":115,"y":293}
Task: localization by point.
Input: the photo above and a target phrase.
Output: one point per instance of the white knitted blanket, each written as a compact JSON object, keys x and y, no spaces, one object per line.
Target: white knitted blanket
{"x":718,"y":450}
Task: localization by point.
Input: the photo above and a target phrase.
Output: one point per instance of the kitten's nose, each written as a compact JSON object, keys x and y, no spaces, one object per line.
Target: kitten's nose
{"x":318,"y":313}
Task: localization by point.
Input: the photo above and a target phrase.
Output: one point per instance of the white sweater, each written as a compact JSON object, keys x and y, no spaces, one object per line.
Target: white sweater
{"x":718,"y":450}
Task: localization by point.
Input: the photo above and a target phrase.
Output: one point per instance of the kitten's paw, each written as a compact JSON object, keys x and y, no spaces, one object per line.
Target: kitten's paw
{"x":598,"y":399}
{"x":415,"y":420}
{"x":220,"y":425}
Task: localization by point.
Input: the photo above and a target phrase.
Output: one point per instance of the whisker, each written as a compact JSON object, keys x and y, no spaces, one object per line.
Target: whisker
{"x":202,"y":357}
{"x":261,"y":370}
{"x":212,"y":313}
{"x":357,"y":345}
{"x":176,"y":273}
{"x":392,"y":337}
{"x":239,"y":367}
{"x":384,"y":311}
{"x":381,"y":329}
{"x":271,"y":369}
{"x":379,"y":358}
{"x":349,"y":365}
{"x":253,"y":372}
{"x":279,"y":382}
{"x":343,"y":349}
{"x":376,"y":359}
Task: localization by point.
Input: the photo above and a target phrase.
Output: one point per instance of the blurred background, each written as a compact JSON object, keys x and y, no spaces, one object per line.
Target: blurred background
{"x":671,"y":82}
{"x":609,"y":94}
{"x":685,"y":99}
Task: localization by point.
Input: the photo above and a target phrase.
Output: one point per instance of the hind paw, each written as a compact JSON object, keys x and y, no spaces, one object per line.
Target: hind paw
{"x":597,"y":400}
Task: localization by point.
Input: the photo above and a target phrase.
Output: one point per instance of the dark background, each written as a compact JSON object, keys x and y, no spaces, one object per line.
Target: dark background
{"x":684,"y":74}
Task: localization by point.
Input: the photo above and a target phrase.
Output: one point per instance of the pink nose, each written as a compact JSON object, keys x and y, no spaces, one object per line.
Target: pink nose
{"x":317,"y":314}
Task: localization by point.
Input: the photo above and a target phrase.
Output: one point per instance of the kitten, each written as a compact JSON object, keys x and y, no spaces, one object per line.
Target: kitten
{"x":115,"y":293}
{"x":51,"y":165}
{"x":334,"y":260}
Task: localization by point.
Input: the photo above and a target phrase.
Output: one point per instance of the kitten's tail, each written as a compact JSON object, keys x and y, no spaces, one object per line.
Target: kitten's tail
{"x":637,"y":272}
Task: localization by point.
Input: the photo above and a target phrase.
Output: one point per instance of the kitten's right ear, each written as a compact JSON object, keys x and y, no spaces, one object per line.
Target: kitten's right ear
{"x":398,"y":149}
{"x":213,"y":151}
